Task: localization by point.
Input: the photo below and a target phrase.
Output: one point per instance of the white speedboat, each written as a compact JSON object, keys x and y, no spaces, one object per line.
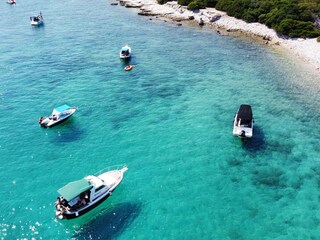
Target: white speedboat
{"x":243,"y":122}
{"x":125,"y":52}
{"x":79,"y":197}
{"x":58,"y":115}
{"x":36,"y":20}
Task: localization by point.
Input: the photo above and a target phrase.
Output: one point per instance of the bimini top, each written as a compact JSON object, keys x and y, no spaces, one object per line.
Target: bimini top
{"x":73,"y":189}
{"x":245,"y":113}
{"x":62,"y":108}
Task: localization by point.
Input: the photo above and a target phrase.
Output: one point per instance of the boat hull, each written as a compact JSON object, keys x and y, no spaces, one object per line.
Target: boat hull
{"x":33,"y":23}
{"x":242,"y":131}
{"x":72,"y":215}
{"x":58,"y":122}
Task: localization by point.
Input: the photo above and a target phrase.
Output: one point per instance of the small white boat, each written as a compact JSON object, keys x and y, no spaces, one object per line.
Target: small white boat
{"x":36,"y":20}
{"x":11,"y":2}
{"x":79,"y":197}
{"x":58,"y":115}
{"x":243,"y":122}
{"x":125,"y":52}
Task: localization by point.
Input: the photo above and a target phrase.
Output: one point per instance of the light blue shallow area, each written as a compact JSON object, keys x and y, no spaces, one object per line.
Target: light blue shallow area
{"x":169,"y":119}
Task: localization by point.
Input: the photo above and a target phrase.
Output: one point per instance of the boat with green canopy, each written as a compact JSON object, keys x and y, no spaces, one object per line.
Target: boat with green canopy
{"x":79,"y":197}
{"x":58,"y":115}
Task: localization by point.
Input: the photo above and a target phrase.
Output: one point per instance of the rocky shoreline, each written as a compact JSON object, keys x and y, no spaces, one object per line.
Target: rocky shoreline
{"x":307,"y":50}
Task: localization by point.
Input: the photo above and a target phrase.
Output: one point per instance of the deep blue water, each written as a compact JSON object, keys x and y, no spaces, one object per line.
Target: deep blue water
{"x":169,"y":119}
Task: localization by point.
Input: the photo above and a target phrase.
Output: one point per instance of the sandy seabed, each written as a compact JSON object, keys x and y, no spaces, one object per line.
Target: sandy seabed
{"x":307,"y":50}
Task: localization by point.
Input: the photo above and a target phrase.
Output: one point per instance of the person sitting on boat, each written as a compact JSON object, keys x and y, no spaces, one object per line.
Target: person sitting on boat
{"x":86,"y":198}
{"x":60,"y":206}
{"x":54,"y":117}
{"x":40,"y":120}
{"x":82,"y":202}
{"x":61,"y":209}
{"x":58,"y":202}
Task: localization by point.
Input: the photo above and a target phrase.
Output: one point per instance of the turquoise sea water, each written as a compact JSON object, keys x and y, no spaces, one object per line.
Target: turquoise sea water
{"x":169,"y":119}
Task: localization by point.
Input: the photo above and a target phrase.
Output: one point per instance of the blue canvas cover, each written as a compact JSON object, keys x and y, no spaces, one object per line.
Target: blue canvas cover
{"x":61,"y":108}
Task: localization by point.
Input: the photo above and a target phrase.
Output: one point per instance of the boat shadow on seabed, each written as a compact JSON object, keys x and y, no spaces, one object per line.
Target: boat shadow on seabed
{"x":111,"y":223}
{"x":256,"y":143}
{"x":66,"y":134}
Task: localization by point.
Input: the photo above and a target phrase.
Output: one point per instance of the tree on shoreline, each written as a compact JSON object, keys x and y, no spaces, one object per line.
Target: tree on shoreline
{"x":293,"y":18}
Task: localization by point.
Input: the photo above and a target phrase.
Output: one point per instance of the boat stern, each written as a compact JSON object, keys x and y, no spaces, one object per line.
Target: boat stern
{"x":243,"y":132}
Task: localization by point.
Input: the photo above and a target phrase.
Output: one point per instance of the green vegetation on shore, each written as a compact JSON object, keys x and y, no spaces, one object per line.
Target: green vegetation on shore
{"x":293,"y":18}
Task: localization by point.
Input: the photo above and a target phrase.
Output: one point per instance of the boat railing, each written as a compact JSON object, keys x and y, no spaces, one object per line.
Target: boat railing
{"x":110,"y":168}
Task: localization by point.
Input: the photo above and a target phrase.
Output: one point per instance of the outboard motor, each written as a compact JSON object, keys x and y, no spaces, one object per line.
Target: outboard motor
{"x":243,"y":133}
{"x":42,"y":122}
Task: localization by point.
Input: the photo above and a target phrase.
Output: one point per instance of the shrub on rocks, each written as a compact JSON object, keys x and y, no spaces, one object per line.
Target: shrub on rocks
{"x":294,"y":28}
{"x":277,"y":14}
{"x":162,"y":1}
{"x":184,"y":2}
{"x":195,"y":5}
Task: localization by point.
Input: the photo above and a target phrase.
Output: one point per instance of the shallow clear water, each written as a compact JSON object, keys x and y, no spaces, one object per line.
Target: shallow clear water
{"x":169,"y":119}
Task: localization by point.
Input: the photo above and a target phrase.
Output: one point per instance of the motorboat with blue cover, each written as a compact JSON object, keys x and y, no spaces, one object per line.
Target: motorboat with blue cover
{"x":125,"y":52}
{"x":58,"y":115}
{"x":243,"y":122}
{"x":79,"y":197}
